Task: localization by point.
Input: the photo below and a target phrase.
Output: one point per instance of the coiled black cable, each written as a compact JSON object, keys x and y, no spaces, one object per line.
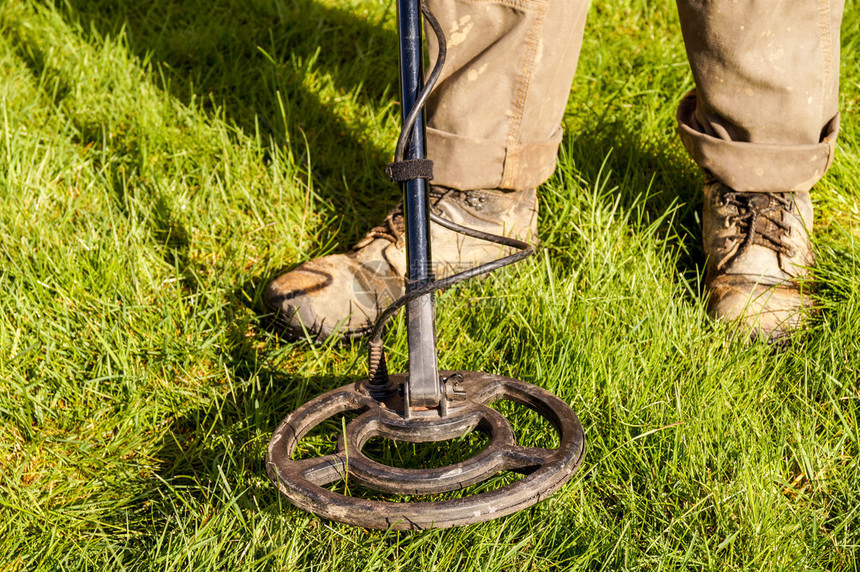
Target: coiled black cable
{"x":378,"y":374}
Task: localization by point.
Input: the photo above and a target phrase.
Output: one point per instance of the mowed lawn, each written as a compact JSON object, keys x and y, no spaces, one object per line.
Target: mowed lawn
{"x":161,"y":161}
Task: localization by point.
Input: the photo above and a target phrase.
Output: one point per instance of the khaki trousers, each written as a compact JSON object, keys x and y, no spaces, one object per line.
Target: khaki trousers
{"x":763,"y":116}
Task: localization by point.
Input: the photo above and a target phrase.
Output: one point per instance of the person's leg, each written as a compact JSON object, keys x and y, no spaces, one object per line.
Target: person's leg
{"x":494,"y":127}
{"x":762,"y":124}
{"x":494,"y":122}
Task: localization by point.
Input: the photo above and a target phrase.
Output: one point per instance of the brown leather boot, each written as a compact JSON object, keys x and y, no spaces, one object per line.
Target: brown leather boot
{"x":342,"y":294}
{"x":759,"y":255}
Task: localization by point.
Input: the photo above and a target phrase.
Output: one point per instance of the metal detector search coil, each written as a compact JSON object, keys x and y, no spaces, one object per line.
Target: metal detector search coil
{"x":424,"y":405}
{"x":546,"y":470}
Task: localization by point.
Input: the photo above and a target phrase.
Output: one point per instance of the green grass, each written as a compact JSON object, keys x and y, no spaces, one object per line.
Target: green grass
{"x":161,"y":161}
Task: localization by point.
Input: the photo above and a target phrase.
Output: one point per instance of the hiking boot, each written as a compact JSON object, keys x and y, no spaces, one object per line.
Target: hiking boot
{"x":759,"y":255}
{"x":342,"y":294}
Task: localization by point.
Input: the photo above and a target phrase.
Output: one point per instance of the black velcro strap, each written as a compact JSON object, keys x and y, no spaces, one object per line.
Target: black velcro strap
{"x":410,"y":169}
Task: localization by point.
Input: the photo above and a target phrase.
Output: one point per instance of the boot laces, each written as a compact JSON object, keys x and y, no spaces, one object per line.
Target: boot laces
{"x":759,"y":220}
{"x":393,"y":227}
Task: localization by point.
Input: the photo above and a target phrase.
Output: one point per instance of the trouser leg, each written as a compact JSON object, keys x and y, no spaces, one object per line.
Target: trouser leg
{"x":763,"y":117}
{"x":494,"y":120}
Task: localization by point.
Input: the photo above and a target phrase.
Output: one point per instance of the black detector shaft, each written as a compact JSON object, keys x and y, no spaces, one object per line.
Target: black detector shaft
{"x":423,"y":386}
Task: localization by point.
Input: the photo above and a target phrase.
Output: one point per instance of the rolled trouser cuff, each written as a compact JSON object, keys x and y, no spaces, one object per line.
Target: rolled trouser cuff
{"x":467,"y":163}
{"x":756,"y":167}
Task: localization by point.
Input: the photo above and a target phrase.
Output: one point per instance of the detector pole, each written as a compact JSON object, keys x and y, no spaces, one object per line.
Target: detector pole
{"x":423,"y":389}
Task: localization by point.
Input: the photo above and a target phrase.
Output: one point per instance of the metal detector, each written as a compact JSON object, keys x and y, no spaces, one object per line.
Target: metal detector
{"x":425,"y":404}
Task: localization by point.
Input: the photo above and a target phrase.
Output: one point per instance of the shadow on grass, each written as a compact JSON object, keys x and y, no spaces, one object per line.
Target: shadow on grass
{"x":260,"y":64}
{"x":649,"y":175}
{"x":236,"y":58}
